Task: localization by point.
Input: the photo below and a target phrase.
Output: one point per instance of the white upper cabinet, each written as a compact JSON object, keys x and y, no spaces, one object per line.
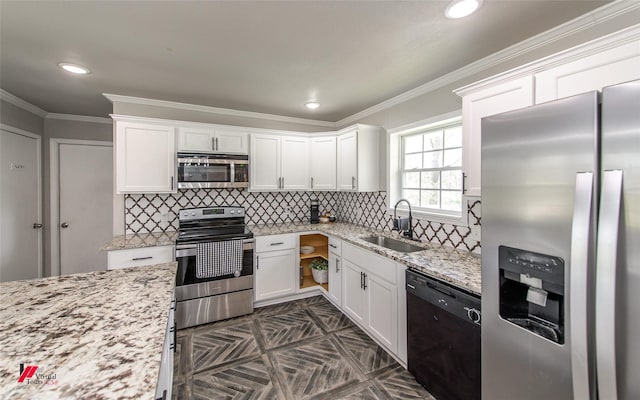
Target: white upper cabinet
{"x":323,"y":162}
{"x":212,"y":140}
{"x":295,"y":163}
{"x":358,"y":155}
{"x":610,"y":67}
{"x":476,"y":105}
{"x":265,"y":162}
{"x":279,"y":162}
{"x":145,"y":157}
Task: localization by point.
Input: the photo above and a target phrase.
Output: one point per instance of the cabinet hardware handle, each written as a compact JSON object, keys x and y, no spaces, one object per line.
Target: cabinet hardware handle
{"x":37,"y":225}
{"x":464,"y":183}
{"x":282,"y":183}
{"x":173,"y":304}
{"x":364,"y":282}
{"x":312,"y":182}
{"x":257,"y":262}
{"x":142,"y":258}
{"x":361,"y":278}
{"x":172,"y":183}
{"x":337,"y":265}
{"x":276,"y":244}
{"x":216,"y":144}
{"x":175,"y":336}
{"x":213,"y":143}
{"x":333,"y":245}
{"x":353,"y":182}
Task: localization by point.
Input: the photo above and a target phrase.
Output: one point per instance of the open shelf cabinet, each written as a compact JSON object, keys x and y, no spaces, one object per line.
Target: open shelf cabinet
{"x":321,"y":244}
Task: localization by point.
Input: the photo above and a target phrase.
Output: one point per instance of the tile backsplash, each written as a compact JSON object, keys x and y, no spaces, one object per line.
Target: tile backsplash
{"x":158,"y":212}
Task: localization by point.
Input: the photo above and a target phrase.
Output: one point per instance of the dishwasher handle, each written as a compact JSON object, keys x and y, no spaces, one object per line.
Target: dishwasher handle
{"x":440,"y":289}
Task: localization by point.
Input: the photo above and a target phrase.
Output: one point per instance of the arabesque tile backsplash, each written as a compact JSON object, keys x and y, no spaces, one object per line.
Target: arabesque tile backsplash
{"x":158,"y":212}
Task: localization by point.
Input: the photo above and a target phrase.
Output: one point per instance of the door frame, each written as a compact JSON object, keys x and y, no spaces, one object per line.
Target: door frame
{"x":54,"y":191}
{"x":38,"y":139}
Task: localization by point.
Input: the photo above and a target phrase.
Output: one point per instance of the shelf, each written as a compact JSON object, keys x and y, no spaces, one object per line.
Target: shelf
{"x":309,"y":282}
{"x":321,"y":251}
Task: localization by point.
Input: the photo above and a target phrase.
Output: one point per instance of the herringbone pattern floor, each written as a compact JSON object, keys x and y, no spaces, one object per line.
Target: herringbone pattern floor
{"x":304,"y":349}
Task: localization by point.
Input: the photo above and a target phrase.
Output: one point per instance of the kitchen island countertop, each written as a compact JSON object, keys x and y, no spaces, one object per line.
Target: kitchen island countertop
{"x":95,"y":335}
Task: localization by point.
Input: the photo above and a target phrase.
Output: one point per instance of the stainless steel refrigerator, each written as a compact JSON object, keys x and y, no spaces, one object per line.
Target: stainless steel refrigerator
{"x":561,"y":249}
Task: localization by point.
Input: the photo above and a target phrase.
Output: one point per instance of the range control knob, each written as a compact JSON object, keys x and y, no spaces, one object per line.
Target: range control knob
{"x":473,"y":314}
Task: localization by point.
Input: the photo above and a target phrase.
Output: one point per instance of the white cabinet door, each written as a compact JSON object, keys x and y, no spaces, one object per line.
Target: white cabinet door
{"x":353,"y":296}
{"x":230,"y":141}
{"x":323,"y":156}
{"x":335,"y":279}
{"x":294,"y":163}
{"x":483,"y":103}
{"x":196,"y":139}
{"x":265,"y":162}
{"x":145,"y":158}
{"x":347,"y":160}
{"x":382,"y":312}
{"x":610,"y":67}
{"x":275,"y":274}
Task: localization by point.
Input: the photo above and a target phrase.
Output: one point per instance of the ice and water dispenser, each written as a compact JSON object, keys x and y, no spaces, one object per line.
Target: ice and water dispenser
{"x":532,"y":291}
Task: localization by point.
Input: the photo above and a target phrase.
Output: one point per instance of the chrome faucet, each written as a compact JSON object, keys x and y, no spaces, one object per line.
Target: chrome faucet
{"x":403,"y":225}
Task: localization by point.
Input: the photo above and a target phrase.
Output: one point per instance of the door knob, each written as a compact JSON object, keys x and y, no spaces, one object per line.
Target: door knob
{"x":37,"y":225}
{"x":64,"y":225}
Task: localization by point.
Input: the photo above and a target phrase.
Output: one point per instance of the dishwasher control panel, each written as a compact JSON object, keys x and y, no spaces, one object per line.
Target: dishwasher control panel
{"x":458,"y":302}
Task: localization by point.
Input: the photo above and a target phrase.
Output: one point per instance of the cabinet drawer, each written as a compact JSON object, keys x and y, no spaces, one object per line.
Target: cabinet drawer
{"x":371,"y":262}
{"x":275,"y":242}
{"x":335,"y":246}
{"x":138,"y":257}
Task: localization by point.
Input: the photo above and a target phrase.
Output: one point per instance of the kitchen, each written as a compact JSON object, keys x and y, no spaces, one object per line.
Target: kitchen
{"x":289,"y":160}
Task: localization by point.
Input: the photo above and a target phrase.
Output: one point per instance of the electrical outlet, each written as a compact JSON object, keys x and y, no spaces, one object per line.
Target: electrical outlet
{"x":474,"y":234}
{"x":358,"y":212}
{"x":287,"y":212}
{"x":164,"y":217}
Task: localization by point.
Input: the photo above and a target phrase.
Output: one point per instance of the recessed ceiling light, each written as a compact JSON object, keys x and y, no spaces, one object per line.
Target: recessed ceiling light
{"x":462,"y":8}
{"x":312,"y":105}
{"x":74,"y":68}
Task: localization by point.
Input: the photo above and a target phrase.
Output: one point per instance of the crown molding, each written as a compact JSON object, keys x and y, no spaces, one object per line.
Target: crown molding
{"x":18,"y":102}
{"x":115,"y":98}
{"x":586,"y":21}
{"x":81,"y":118}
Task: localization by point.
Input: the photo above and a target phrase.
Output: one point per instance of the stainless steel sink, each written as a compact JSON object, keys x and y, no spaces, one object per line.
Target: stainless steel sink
{"x":393,"y":244}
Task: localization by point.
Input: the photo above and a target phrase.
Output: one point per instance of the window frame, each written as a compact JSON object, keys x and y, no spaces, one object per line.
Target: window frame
{"x":395,"y":170}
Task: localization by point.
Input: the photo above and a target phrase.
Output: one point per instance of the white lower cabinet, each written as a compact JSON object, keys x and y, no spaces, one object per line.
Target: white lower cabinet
{"x":335,"y":272}
{"x":275,"y":274}
{"x":370,"y":293}
{"x":165,"y":376}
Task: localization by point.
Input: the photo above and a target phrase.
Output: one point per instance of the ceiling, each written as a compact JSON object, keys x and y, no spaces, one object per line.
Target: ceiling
{"x":268,"y":57}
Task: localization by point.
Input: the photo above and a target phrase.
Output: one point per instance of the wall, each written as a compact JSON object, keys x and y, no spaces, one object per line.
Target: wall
{"x":64,"y":129}
{"x":18,"y":118}
{"x":158,"y":212}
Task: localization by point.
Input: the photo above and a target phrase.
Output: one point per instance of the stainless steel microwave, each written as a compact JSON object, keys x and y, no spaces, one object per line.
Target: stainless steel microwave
{"x":198,"y":170}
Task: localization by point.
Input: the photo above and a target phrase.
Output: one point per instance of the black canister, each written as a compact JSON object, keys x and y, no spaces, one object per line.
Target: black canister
{"x":315,"y":213}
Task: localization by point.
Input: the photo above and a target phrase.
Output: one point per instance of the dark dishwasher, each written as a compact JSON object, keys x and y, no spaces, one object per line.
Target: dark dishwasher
{"x":443,"y":338}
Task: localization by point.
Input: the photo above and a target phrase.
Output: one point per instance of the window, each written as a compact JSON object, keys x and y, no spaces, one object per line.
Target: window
{"x":429,"y":169}
{"x":425,"y":167}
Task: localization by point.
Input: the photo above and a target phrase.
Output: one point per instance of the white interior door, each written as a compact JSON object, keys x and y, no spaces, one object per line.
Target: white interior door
{"x":20,"y":232}
{"x":86,"y":200}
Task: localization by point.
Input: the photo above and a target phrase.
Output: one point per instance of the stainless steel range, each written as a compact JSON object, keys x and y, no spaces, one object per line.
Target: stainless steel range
{"x":214,"y":251}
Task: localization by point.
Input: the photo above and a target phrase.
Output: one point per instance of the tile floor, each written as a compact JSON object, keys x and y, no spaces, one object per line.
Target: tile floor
{"x":305,"y":349}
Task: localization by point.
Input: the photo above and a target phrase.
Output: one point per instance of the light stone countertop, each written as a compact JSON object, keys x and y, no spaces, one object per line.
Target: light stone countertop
{"x":95,"y":335}
{"x":140,"y":240}
{"x":457,"y":267}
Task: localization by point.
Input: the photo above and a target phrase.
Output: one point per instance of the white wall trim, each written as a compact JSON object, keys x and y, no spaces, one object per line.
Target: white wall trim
{"x":54,"y":194}
{"x":81,"y":118}
{"x":115,"y":98}
{"x":18,"y":102}
{"x":39,"y":217}
{"x":574,"y":26}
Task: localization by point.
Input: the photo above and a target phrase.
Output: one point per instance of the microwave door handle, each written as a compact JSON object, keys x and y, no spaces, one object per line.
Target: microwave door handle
{"x":232,"y":172}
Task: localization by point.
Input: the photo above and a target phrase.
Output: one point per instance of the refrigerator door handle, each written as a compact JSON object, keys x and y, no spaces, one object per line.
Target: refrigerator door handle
{"x":606,"y":262}
{"x":580,"y":237}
